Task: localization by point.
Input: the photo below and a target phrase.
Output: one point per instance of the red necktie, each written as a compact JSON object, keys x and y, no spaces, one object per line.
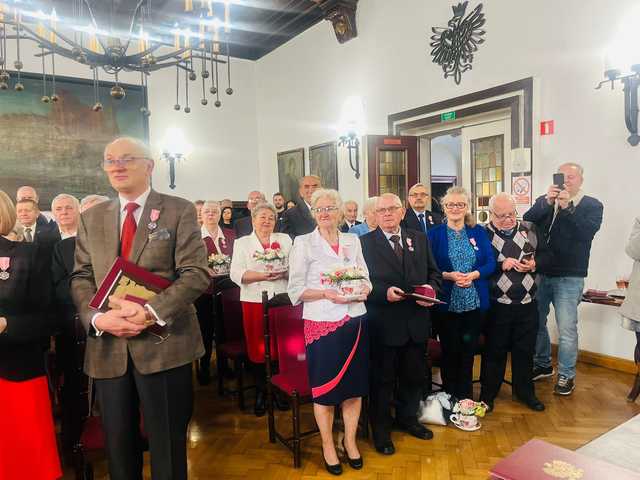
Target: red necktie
{"x":128,"y":230}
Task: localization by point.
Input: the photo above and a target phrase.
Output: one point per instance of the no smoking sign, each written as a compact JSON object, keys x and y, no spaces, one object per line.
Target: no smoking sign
{"x":521,"y":188}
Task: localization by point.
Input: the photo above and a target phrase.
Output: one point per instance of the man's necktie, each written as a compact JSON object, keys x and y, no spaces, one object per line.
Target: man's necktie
{"x":128,"y":230}
{"x":27,"y":235}
{"x":397,"y":249}
{"x":422,"y":224}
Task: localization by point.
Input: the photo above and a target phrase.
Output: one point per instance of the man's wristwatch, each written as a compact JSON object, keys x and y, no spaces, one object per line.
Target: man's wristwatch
{"x":149,"y":319}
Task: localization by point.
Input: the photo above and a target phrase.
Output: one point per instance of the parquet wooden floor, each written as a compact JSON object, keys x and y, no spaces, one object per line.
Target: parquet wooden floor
{"x":227,"y":444}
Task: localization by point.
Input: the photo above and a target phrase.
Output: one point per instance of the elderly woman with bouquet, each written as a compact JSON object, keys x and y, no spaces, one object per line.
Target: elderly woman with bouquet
{"x":259,"y":263}
{"x":327,"y":273}
{"x":218,"y":242}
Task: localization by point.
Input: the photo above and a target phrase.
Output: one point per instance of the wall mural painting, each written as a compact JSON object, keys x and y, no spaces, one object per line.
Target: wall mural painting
{"x":323,"y":162}
{"x":290,"y":170}
{"x":58,"y":147}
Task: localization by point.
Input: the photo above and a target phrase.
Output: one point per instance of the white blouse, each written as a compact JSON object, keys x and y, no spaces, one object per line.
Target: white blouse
{"x":312,"y":256}
{"x":242,"y":260}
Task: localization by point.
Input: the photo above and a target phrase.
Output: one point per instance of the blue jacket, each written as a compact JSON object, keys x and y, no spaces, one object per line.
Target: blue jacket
{"x":485,"y":261}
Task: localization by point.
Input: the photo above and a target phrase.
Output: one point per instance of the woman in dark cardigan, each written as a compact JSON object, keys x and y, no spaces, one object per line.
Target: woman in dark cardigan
{"x":464,"y":255}
{"x":27,"y":438}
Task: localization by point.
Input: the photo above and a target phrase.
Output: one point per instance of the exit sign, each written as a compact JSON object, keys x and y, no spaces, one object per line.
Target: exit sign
{"x":447,"y":116}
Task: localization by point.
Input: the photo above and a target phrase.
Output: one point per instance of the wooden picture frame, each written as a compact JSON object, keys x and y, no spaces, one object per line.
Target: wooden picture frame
{"x":58,"y":147}
{"x":290,"y":171}
{"x":323,"y":162}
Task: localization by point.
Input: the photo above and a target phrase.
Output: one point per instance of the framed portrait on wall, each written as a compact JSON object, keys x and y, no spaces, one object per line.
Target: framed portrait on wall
{"x":58,"y":147}
{"x":290,"y":170}
{"x":323,"y":162}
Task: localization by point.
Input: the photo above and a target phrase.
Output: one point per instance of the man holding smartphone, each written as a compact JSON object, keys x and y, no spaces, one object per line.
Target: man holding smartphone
{"x":512,"y":324}
{"x":569,"y":220}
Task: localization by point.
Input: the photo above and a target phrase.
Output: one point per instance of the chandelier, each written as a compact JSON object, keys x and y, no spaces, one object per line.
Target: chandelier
{"x":198,"y":40}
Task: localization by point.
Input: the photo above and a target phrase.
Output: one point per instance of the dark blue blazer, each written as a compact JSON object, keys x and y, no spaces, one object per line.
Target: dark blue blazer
{"x":485,"y":261}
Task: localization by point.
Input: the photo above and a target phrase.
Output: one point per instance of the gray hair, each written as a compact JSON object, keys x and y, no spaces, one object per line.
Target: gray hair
{"x":143,"y":146}
{"x":349,"y":202}
{"x":316,"y":177}
{"x":469,"y":219}
{"x":417,"y":185}
{"x":263,"y":206}
{"x":501,"y":196}
{"x":577,"y":166}
{"x":326,"y":193}
{"x":393,"y":196}
{"x":212,"y":203}
{"x":63,"y":196}
{"x":369,"y":204}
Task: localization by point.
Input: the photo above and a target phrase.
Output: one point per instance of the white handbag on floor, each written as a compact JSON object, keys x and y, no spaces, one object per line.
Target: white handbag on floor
{"x":435,"y":409}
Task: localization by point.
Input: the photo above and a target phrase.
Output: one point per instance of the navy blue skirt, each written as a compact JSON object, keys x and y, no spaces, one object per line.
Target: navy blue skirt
{"x":337,"y":359}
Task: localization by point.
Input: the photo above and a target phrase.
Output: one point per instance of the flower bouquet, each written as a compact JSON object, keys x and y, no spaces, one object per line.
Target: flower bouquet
{"x":349,"y":281}
{"x":466,"y":413}
{"x":219,"y":263}
{"x":273,"y":258}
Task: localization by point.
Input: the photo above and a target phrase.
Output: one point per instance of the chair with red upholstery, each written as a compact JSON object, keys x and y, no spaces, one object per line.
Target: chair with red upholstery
{"x":284,"y":321}
{"x":233,"y":347}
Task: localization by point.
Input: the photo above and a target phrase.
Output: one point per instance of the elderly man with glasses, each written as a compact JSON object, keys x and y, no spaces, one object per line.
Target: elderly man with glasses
{"x":399,"y":259}
{"x":513,"y":314}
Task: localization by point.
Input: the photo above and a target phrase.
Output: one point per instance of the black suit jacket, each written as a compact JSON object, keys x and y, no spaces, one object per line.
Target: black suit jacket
{"x":297,"y":221}
{"x":43,"y":221}
{"x":394,"y":324}
{"x":61,"y":269}
{"x":344,"y":228}
{"x":243,"y":226}
{"x":431,"y":219}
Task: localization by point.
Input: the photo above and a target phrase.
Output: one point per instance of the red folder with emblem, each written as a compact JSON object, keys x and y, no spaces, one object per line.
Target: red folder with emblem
{"x":539,"y":460}
{"x":128,"y":281}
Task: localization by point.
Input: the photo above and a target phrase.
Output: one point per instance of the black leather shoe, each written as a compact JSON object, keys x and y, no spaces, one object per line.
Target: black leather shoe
{"x":533,"y":403}
{"x":417,"y":430}
{"x":332,"y":469}
{"x":385,"y":448}
{"x":355,"y":463}
{"x":260,"y":407}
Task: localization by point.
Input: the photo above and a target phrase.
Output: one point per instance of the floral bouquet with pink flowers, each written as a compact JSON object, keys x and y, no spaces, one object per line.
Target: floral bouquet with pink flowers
{"x":272,"y":258}
{"x":350,"y":281}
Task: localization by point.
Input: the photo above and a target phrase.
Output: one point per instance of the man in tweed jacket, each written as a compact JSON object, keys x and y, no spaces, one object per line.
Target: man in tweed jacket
{"x":134,"y":369}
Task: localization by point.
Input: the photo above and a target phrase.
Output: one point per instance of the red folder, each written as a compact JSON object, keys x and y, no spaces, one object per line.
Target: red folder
{"x":539,"y":460}
{"x":126,"y":279}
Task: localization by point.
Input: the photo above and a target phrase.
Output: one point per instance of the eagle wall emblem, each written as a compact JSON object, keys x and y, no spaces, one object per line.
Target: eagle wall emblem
{"x":453,"y":47}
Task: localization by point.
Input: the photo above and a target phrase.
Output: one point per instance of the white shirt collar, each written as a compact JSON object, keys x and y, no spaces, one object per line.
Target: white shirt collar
{"x":141,"y":200}
{"x":205,"y":233}
{"x":419,"y":213}
{"x":67,"y":235}
{"x":389,"y":235}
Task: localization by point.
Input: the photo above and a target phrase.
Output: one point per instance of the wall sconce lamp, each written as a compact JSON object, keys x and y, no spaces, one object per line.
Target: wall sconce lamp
{"x":351,"y":141}
{"x":174,"y":149}
{"x":623,"y":64}
{"x":351,"y":129}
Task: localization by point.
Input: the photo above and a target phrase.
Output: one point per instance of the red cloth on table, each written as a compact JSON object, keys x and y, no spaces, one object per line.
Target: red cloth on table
{"x":254,"y":332}
{"x":27,"y":438}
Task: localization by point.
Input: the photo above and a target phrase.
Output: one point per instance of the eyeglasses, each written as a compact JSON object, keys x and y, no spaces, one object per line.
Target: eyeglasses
{"x":505,"y":216}
{"x":455,"y":206}
{"x":324,"y":209}
{"x":392,"y":209}
{"x":126,"y":161}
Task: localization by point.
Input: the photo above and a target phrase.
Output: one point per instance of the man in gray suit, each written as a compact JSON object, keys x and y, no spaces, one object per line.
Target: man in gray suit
{"x":134,"y":368}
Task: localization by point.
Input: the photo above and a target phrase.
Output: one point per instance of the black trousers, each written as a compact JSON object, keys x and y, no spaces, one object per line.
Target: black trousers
{"x":510,"y":328}
{"x":166,"y":399}
{"x":206,"y":319}
{"x":390,"y":366}
{"x":459,"y":333}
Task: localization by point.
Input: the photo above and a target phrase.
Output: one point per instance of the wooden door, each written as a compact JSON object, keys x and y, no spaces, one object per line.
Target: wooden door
{"x":393,"y":164}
